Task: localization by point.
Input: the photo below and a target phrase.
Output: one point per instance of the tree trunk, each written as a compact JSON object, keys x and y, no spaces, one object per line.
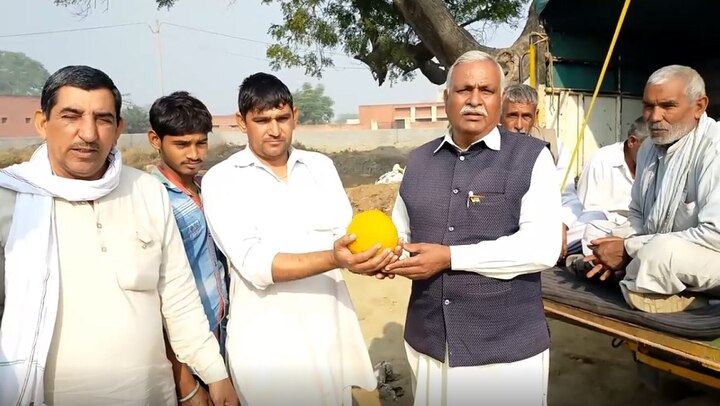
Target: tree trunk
{"x":446,"y":40}
{"x":511,"y":59}
{"x":438,"y":30}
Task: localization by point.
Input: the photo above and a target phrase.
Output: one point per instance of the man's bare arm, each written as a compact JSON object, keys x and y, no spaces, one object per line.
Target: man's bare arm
{"x":290,"y":267}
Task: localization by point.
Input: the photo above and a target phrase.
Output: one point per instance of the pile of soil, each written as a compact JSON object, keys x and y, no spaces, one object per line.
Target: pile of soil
{"x":354,"y":167}
{"x":368,"y":197}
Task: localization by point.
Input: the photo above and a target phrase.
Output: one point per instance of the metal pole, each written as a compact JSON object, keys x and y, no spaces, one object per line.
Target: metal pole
{"x":158,"y":43}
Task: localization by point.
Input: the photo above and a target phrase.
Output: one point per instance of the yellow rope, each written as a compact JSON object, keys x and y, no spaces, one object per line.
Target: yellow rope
{"x":581,"y":135}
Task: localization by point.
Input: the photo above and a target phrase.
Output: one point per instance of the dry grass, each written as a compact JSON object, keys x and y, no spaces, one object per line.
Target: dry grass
{"x":14,"y":156}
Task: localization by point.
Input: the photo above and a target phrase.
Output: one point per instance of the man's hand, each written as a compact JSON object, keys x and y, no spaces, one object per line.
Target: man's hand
{"x":609,"y":256}
{"x":563,"y":248}
{"x":200,"y":398}
{"x":429,"y":259}
{"x":397,"y":253}
{"x":222,"y":393}
{"x":368,"y":262}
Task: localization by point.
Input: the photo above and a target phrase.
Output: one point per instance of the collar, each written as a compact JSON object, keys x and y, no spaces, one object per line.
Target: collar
{"x":171,"y":183}
{"x":168,"y":181}
{"x":618,"y":158}
{"x":246,"y":157}
{"x":491,"y":139}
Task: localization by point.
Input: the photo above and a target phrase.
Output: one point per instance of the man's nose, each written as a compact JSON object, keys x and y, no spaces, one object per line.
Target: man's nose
{"x":475,"y":99}
{"x":88,"y":130}
{"x":192,"y":153}
{"x":656,"y":115}
{"x":274,"y":128}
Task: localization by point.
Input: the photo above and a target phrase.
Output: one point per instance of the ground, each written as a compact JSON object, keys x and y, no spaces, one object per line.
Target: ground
{"x":584,"y":367}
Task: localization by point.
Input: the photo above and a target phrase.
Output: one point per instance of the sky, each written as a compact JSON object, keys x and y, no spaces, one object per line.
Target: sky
{"x":209,"y":66}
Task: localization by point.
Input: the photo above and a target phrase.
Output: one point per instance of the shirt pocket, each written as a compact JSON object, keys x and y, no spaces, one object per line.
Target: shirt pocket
{"x":487,"y":189}
{"x":142,"y":272}
{"x":191,"y":230}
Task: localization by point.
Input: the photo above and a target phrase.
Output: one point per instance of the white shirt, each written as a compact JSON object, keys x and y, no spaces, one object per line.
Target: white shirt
{"x":296,"y":342}
{"x":534,"y":247}
{"x":606,"y":183}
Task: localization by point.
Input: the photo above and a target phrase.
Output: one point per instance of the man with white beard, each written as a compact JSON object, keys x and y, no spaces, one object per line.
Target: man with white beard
{"x":671,"y":248}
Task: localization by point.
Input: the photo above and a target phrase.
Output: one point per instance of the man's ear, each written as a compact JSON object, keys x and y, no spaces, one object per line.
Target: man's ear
{"x":700,"y":107}
{"x":240,"y":120}
{"x":120,"y":130}
{"x":154,"y":140}
{"x":295,"y":116}
{"x":40,"y":121}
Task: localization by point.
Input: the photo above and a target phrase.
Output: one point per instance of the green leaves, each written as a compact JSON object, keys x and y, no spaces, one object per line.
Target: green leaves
{"x":370,"y":31}
{"x":137,"y":118}
{"x":21,"y":75}
{"x":313,"y":106}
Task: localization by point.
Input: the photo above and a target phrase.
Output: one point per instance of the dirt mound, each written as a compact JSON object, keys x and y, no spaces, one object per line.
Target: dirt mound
{"x":367,"y":197}
{"x":354,"y":167}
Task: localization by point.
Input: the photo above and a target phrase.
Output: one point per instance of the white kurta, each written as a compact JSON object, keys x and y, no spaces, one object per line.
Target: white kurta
{"x":606,"y":183}
{"x":533,"y":248}
{"x":603,"y":193}
{"x":295,"y":342}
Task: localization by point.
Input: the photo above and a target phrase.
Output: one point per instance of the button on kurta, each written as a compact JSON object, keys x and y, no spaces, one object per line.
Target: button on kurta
{"x":451,"y":228}
{"x":446,"y":302}
{"x":462,"y":157}
{"x":456,"y":190}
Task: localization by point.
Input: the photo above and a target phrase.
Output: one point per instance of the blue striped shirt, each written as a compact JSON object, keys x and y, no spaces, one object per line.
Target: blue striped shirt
{"x":206,"y":261}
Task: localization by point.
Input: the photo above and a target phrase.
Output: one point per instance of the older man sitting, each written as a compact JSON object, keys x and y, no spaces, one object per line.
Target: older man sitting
{"x":671,"y":248}
{"x":519,"y":113}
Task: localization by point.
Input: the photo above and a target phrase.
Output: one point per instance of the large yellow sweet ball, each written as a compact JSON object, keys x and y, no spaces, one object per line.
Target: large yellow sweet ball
{"x":372,"y":227}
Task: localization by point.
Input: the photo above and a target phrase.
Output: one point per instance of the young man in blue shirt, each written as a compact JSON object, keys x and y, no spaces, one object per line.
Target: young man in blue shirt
{"x":180,"y":125}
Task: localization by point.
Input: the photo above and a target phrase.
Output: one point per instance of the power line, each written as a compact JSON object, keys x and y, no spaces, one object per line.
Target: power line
{"x":102,"y":27}
{"x":216,"y":33}
{"x":208,"y":48}
{"x":235,"y":37}
{"x":157,"y":30}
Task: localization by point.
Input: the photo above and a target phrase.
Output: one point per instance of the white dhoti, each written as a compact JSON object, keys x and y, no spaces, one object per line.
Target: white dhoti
{"x":519,"y":383}
{"x":669,"y":265}
{"x":665,"y":264}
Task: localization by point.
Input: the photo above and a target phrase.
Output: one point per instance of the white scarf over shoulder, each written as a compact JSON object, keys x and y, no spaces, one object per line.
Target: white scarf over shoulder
{"x":32,"y":270}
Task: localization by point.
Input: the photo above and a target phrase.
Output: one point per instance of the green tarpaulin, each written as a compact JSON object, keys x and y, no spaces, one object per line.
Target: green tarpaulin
{"x":655,"y":33}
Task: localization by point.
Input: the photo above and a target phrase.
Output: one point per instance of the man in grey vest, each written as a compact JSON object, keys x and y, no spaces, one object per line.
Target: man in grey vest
{"x":479,"y":209}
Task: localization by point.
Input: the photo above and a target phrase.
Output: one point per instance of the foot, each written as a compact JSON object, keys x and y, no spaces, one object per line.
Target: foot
{"x":657,"y":303}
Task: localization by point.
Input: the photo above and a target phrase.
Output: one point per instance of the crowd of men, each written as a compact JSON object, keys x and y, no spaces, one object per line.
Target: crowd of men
{"x":121,"y":287}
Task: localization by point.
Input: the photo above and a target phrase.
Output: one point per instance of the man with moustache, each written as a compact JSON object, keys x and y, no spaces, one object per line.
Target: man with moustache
{"x":93,"y":265}
{"x":479,"y":209}
{"x":673,"y":247}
